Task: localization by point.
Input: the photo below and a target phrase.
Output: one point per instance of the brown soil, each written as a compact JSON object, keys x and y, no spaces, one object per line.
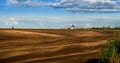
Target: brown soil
{"x":52,"y":46}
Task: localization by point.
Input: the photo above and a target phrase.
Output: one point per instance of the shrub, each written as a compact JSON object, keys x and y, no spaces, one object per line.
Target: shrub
{"x":112,"y":53}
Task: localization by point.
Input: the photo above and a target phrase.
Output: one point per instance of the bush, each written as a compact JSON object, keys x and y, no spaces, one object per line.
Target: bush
{"x":112,"y":53}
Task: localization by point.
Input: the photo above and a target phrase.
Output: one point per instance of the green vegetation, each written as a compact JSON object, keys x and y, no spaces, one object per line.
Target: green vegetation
{"x":106,"y":28}
{"x":112,"y":53}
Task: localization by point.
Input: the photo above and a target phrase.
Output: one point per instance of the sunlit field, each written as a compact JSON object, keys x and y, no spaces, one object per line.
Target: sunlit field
{"x":52,"y":45}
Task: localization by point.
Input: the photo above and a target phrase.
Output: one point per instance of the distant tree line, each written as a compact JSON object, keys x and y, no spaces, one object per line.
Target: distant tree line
{"x":106,"y":28}
{"x":100,"y":28}
{"x":96,"y":28}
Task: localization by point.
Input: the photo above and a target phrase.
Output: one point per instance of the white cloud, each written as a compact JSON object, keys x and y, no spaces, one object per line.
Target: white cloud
{"x":12,"y":2}
{"x":40,"y":23}
{"x":11,"y":21}
{"x":89,"y":25}
{"x":72,"y":5}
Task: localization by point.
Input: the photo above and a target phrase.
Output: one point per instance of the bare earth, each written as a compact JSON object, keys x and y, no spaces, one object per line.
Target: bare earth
{"x":52,"y":45}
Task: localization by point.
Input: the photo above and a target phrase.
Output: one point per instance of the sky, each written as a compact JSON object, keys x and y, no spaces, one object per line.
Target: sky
{"x":59,"y":13}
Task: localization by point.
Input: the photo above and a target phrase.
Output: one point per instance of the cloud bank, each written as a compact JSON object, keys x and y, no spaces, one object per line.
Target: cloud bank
{"x":11,"y":21}
{"x":72,"y":5}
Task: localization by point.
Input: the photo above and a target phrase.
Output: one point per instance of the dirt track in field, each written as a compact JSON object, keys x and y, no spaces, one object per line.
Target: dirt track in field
{"x":52,"y":46}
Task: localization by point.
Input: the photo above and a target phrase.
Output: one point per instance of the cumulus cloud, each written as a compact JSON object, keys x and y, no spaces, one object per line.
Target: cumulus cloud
{"x":72,"y":5}
{"x":11,"y":21}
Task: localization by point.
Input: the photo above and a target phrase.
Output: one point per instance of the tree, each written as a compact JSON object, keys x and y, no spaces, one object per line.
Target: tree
{"x":12,"y":27}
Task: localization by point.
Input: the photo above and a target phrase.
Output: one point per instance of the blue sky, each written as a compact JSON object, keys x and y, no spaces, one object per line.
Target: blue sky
{"x":59,"y":13}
